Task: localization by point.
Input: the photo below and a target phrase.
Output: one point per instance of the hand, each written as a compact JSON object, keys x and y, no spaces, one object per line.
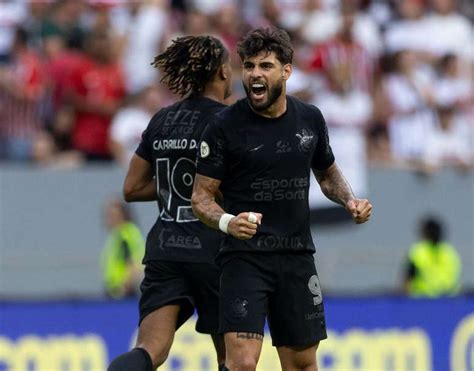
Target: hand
{"x":240,"y":227}
{"x":360,"y":209}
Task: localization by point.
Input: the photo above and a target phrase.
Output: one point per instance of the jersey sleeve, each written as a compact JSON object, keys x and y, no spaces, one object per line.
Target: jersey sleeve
{"x":211,"y":156}
{"x":323,"y":156}
{"x":145,"y":149}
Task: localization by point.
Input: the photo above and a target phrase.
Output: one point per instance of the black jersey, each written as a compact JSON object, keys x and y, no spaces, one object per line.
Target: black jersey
{"x":264,"y":166}
{"x":169,"y":144}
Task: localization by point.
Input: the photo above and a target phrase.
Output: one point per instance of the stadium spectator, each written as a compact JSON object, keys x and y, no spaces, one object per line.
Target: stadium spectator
{"x":347,"y":111}
{"x":447,"y":144}
{"x":410,"y":105}
{"x":451,"y":87}
{"x":433,"y":267}
{"x":122,"y":253}
{"x":12,"y":15}
{"x":450,"y":32}
{"x":142,"y":34}
{"x":343,"y":49}
{"x":22,"y":92}
{"x":96,"y":92}
{"x":409,"y":31}
{"x":130,"y":121}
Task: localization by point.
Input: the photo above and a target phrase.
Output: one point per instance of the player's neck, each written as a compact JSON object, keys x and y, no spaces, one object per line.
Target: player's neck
{"x":214,"y":93}
{"x":277,"y":109}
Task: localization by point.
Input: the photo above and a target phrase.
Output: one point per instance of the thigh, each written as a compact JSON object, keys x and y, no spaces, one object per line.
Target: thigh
{"x":296,"y":313}
{"x":298,"y":358}
{"x":165,"y":283}
{"x":204,"y":281}
{"x":244,"y":292}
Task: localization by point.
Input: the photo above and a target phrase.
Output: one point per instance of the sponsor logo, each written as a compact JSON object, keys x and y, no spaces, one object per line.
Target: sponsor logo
{"x":280,"y":189}
{"x":256,"y":148}
{"x":280,"y":242}
{"x":204,"y":149}
{"x":170,"y":240}
{"x":180,"y":122}
{"x":305,"y":138}
{"x":283,"y":146}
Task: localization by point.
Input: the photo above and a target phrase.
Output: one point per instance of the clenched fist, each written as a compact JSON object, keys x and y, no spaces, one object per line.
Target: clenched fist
{"x":244,"y":226}
{"x":360,"y":209}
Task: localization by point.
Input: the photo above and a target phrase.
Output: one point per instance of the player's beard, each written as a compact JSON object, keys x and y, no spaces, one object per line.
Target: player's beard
{"x":272,"y":95}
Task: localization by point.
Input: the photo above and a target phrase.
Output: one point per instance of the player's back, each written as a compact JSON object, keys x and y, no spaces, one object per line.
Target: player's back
{"x":170,"y":143}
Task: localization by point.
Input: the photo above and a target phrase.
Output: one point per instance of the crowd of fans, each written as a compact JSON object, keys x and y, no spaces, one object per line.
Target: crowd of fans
{"x":394,"y":78}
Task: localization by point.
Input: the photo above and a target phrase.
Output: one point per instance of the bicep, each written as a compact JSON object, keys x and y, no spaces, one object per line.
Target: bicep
{"x":328,"y":173}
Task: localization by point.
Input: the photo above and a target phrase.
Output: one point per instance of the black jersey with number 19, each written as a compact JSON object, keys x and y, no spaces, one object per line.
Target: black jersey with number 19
{"x":264,"y":166}
{"x":169,"y":144}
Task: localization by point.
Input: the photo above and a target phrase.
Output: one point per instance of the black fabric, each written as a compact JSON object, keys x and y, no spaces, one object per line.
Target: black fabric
{"x":223,"y":368}
{"x":282,"y":287}
{"x":137,"y":359}
{"x":191,"y":285}
{"x":169,"y":144}
{"x":264,"y":165}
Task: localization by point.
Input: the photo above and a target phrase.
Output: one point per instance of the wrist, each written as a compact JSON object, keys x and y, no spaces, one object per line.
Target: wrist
{"x":224,"y":222}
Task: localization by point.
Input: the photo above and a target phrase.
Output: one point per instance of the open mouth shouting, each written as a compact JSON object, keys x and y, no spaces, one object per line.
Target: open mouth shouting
{"x":258,"y":91}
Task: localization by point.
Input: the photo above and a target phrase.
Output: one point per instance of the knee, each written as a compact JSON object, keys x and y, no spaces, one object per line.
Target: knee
{"x":241,"y":363}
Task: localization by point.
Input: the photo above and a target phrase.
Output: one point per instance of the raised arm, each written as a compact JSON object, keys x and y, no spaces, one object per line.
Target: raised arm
{"x":139,"y":185}
{"x":335,"y":187}
{"x":208,"y":211}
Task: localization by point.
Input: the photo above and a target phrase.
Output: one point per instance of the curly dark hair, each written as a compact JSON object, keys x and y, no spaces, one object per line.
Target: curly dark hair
{"x":190,"y":62}
{"x":269,"y":39}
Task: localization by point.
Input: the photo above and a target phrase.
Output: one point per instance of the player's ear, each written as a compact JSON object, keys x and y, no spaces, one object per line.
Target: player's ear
{"x":223,"y":71}
{"x":287,"y":70}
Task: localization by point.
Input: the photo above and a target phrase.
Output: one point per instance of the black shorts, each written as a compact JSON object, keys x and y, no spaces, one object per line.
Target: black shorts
{"x":284,"y":287}
{"x":191,"y":285}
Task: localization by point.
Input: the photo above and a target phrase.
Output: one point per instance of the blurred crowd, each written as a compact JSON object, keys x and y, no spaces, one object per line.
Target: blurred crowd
{"x":393,"y":78}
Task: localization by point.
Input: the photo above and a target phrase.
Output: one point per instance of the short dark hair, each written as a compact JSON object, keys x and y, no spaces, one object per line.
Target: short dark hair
{"x":190,"y":62}
{"x":269,"y":39}
{"x":432,"y":229}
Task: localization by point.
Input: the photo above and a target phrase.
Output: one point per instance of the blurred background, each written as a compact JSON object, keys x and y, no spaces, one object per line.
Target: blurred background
{"x":394,"y":80}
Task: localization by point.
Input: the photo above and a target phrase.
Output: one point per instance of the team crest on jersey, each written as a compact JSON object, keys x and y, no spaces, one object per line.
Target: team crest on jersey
{"x":204,"y":149}
{"x":305,"y":137}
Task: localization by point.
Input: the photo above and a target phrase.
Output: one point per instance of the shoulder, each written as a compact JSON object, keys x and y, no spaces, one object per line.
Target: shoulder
{"x":228,"y":115}
{"x":308,"y":112}
{"x":301,"y":106}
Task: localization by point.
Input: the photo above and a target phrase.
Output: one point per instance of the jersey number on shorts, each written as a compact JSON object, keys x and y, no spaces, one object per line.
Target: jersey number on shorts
{"x":174,"y":187}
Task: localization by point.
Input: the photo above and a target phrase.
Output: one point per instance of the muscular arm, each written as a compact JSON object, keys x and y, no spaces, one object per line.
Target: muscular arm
{"x":203,"y":201}
{"x":205,"y":207}
{"x":139,"y":185}
{"x":333,"y":184}
{"x":336,"y":188}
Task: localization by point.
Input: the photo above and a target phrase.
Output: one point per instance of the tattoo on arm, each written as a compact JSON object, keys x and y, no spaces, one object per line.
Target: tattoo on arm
{"x":205,"y":207}
{"x":249,"y":335}
{"x":334,"y":185}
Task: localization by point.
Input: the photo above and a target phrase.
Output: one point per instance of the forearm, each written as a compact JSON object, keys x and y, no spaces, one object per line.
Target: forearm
{"x":204,"y":200}
{"x":334,"y":185}
{"x":141,"y":192}
{"x":206,"y":209}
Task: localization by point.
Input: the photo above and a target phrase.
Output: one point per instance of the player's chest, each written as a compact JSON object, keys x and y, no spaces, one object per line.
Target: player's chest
{"x":277,"y":146}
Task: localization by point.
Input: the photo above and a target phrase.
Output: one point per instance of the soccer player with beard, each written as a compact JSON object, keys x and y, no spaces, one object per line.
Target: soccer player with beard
{"x":259,"y":152}
{"x":180,"y":272}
